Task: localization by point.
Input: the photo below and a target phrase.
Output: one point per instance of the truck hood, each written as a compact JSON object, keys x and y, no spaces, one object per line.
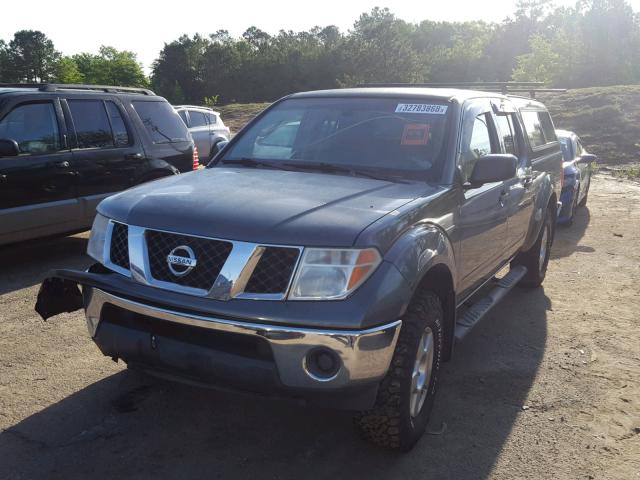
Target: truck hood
{"x":263,"y":205}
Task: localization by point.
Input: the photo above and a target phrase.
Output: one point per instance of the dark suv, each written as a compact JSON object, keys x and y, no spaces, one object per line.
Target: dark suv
{"x":64,"y":148}
{"x":334,"y":250}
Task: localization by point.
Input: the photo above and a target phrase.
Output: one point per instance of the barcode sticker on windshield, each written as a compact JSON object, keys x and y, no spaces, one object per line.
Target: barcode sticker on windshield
{"x":421,"y":108}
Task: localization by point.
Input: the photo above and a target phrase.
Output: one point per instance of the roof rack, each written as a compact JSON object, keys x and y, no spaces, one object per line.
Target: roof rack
{"x":503,"y":87}
{"x":193,"y":106}
{"x":53,"y":87}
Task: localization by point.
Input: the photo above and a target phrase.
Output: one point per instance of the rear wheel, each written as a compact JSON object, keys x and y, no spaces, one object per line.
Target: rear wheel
{"x":536,"y":259}
{"x":406,"y":394}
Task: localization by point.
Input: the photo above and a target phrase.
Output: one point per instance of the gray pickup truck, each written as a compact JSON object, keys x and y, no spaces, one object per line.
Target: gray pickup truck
{"x":335,"y":250}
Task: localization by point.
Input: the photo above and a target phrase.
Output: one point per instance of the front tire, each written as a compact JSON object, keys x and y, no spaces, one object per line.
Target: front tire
{"x":536,"y":259}
{"x":406,"y":394}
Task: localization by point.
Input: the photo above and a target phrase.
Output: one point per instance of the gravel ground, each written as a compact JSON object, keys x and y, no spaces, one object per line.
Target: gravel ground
{"x":548,"y":386}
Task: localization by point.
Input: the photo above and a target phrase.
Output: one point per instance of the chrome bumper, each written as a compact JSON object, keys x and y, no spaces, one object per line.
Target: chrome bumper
{"x":365,"y":355}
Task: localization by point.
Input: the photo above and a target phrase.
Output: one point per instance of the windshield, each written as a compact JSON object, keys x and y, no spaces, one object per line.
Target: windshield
{"x":391,"y":138}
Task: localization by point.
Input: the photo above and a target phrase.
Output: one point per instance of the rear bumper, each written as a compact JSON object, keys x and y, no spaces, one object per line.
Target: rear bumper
{"x":220,"y":352}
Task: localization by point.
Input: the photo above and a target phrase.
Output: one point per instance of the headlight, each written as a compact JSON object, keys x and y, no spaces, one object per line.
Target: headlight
{"x":95,"y":248}
{"x":331,"y":274}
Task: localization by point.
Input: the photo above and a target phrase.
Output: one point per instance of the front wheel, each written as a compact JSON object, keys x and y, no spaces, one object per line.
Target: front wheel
{"x":406,"y":394}
{"x":536,"y":259}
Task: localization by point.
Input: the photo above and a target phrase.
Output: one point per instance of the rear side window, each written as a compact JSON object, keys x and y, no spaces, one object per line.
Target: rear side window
{"x":547,"y":127}
{"x":90,"y":120}
{"x":33,"y":126}
{"x":198,"y":119}
{"x":118,"y":127}
{"x":507,"y":133}
{"x":213,"y":119}
{"x":161,"y":121}
{"x":183,"y":116}
{"x":539,"y":128}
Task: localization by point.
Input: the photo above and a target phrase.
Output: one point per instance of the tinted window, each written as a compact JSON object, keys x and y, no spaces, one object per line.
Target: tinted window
{"x":506,"y":130}
{"x":119,"y":129}
{"x":394,"y":137}
{"x":92,"y":125}
{"x":198,"y":119}
{"x":547,"y":127}
{"x":533,"y":127}
{"x":183,"y":116}
{"x":213,"y":119}
{"x":475,"y":144}
{"x":567,"y":152}
{"x":161,"y":121}
{"x":34,"y":126}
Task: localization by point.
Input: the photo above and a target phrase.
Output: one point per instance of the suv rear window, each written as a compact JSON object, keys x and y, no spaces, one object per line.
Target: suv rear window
{"x":161,"y":121}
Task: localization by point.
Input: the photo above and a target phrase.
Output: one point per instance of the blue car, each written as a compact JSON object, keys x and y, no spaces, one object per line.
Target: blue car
{"x":577,"y":170}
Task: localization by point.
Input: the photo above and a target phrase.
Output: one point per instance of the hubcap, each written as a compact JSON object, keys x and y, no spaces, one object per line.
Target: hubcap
{"x":543,"y":248}
{"x":422,"y":369}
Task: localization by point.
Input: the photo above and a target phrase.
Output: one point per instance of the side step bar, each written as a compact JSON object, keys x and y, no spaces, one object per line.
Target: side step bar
{"x":480,"y":308}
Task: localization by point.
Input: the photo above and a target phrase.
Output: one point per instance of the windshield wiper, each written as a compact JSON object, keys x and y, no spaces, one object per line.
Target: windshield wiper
{"x":333,"y":168}
{"x":251,"y":162}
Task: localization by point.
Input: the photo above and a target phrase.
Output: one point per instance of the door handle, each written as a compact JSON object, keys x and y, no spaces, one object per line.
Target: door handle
{"x":503,"y":194}
{"x":133,"y":156}
{"x":64,"y":164}
{"x":3,"y":178}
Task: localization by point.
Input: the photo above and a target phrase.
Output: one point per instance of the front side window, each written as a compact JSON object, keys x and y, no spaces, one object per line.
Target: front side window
{"x":476,"y":143}
{"x":161,"y":121}
{"x":386,"y":136}
{"x":93,"y":129}
{"x":34,"y":126}
{"x":567,"y":148}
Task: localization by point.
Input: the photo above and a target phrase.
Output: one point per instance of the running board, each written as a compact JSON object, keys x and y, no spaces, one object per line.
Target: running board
{"x":480,"y":308}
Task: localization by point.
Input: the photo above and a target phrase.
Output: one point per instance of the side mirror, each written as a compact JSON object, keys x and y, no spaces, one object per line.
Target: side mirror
{"x":496,"y":167}
{"x":587,"y":158}
{"x":9,"y":148}
{"x":217,"y":148}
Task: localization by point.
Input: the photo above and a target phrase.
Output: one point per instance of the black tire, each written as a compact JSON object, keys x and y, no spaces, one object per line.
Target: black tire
{"x":583,"y":202}
{"x":532,"y":258}
{"x":390,"y":423}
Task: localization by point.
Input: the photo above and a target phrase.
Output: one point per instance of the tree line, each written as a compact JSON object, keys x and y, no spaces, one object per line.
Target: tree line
{"x":31,"y":57}
{"x":595,"y":42}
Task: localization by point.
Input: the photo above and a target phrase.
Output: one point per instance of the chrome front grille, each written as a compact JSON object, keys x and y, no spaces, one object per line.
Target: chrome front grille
{"x":211,"y":256}
{"x":119,"y":248}
{"x":225,"y":269}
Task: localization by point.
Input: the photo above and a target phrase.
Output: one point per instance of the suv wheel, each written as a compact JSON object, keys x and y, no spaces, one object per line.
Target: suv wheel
{"x":406,"y":394}
{"x":536,"y":259}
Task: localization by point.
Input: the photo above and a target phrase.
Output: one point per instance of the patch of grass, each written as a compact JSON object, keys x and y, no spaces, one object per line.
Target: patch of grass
{"x":237,"y":115}
{"x":629,"y":172}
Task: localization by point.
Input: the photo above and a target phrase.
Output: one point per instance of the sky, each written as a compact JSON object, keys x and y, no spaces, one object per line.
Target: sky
{"x":144,"y":27}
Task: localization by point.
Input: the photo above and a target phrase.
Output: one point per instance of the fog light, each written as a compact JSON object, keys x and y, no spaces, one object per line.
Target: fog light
{"x":322,"y":364}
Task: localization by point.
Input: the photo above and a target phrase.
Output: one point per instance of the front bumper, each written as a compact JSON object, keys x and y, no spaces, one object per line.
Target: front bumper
{"x":364,"y":355}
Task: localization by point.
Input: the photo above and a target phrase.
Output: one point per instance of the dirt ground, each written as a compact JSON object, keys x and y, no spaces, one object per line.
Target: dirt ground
{"x":548,"y":386}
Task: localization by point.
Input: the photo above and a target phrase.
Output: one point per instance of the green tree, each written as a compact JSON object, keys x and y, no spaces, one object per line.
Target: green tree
{"x":32,"y":57}
{"x":111,"y":67}
{"x":67,"y":71}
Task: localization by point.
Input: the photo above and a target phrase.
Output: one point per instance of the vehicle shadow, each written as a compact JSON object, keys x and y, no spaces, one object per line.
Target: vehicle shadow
{"x":132,"y":426}
{"x":568,"y":237}
{"x":26,"y":264}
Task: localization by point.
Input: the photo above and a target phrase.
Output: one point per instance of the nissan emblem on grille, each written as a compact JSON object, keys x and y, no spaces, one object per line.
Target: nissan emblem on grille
{"x":181,"y":260}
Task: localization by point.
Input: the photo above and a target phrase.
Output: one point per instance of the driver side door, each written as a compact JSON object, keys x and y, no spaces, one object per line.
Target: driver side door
{"x":482,"y":218}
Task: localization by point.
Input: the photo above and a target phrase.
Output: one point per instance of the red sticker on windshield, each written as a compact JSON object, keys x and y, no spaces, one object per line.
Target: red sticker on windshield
{"x":415,"y":134}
